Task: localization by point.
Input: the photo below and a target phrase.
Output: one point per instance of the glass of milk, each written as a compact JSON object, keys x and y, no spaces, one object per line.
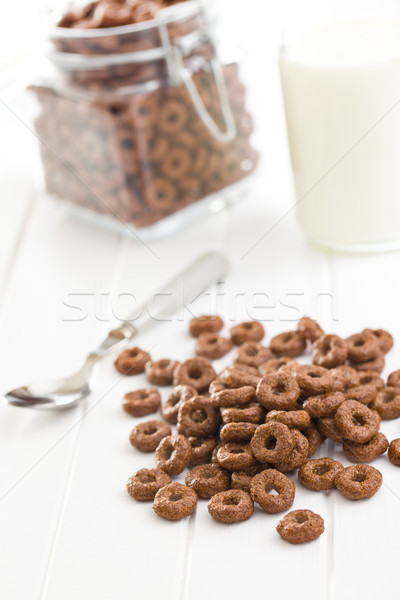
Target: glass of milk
{"x":341,"y":89}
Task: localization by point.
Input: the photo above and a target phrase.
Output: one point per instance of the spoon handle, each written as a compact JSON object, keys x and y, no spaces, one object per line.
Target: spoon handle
{"x":178,"y":292}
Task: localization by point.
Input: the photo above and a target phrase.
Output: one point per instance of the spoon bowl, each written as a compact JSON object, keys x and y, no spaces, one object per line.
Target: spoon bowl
{"x":54,"y":393}
{"x":69,"y":391}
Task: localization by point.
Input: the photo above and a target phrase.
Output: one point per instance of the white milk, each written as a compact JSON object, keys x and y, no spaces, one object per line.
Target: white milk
{"x":341,"y":87}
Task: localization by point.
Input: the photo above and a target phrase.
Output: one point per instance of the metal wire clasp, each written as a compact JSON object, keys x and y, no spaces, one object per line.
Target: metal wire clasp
{"x":175,"y":52}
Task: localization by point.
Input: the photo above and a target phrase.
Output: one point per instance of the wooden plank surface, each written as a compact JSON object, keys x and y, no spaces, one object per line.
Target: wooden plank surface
{"x":38,"y":448}
{"x":65,"y":509}
{"x":65,"y":516}
{"x":64,"y":475}
{"x":364,"y":293}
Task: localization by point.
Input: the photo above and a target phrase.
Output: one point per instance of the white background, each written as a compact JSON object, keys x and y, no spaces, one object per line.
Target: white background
{"x":68,"y":529}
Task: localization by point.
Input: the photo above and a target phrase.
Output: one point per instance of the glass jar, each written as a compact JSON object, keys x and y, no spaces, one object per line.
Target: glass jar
{"x":143,"y":123}
{"x":341,"y":91}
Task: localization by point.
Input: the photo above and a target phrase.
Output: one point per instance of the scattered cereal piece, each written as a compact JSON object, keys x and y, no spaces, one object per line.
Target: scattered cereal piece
{"x":394,"y":452}
{"x":146,"y":436}
{"x":300,"y":526}
{"x":145,"y":483}
{"x":270,"y":480}
{"x":358,"y":482}
{"x":250,"y":331}
{"x":309,"y":329}
{"x":160,"y":372}
{"x":173,"y":454}
{"x":208,"y":480}
{"x":205,"y":323}
{"x":175,"y":501}
{"x":140,"y":403}
{"x":212,"y":345}
{"x":131,"y":361}
{"x":231,"y":506}
{"x":319,"y":473}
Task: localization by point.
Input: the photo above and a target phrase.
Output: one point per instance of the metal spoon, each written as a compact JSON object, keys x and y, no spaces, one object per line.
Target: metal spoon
{"x":63,"y":393}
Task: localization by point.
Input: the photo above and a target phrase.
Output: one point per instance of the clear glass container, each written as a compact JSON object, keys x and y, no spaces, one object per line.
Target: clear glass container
{"x":341,"y":87}
{"x":143,"y":123}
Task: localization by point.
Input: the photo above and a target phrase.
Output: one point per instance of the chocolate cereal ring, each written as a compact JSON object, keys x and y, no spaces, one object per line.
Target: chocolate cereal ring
{"x":141,"y":402}
{"x":329,"y":351}
{"x":252,"y":353}
{"x":188,"y":141}
{"x":231,"y":167}
{"x":205,"y":323}
{"x":360,"y":453}
{"x":208,"y":480}
{"x":272,"y":442}
{"x":131,"y":361}
{"x":160,"y":372}
{"x":214,"y":454}
{"x":161,"y":194}
{"x":385,"y":339}
{"x":175,"y":501}
{"x":231,"y":506}
{"x":309,"y":329}
{"x":356,"y":422}
{"x":249,"y":369}
{"x":375,"y":364}
{"x":146,"y":436}
{"x":233,"y":397}
{"x":290,"y":344}
{"x":249,"y":331}
{"x":277,"y":364}
{"x":319,"y":473}
{"x":365,"y":394}
{"x":298,"y":419}
{"x":324,"y":404}
{"x":216,"y":386}
{"x":145,"y":11}
{"x":145,"y":483}
{"x":362,"y":347}
{"x":251,"y":413}
{"x":344,"y":377}
{"x":279,"y":391}
{"x":314,"y":380}
{"x":371,"y":378}
{"x":300,"y":526}
{"x":197,"y":372}
{"x":238,"y":376}
{"x":387,"y":403}
{"x":314,"y":438}
{"x":176,"y":163}
{"x":201,"y":157}
{"x":172,"y":117}
{"x":358,"y":481}
{"x":113,"y":15}
{"x":198,"y":417}
{"x":394,"y":452}
{"x":157,"y":148}
{"x":179,"y":395}
{"x":241,"y":480}
{"x":202,"y":449}
{"x":298,"y":455}
{"x":235,"y":456}
{"x":142,"y":111}
{"x":237,"y":432}
{"x":327,"y":427}
{"x":173,"y":454}
{"x":212,"y":345}
{"x":270,"y":480}
{"x":394,"y":379}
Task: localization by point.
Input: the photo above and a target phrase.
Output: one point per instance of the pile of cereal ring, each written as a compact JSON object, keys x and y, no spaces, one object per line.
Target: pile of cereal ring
{"x":239,"y":432}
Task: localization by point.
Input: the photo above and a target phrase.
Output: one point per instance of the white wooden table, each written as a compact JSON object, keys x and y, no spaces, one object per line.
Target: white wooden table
{"x":68,"y":529}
